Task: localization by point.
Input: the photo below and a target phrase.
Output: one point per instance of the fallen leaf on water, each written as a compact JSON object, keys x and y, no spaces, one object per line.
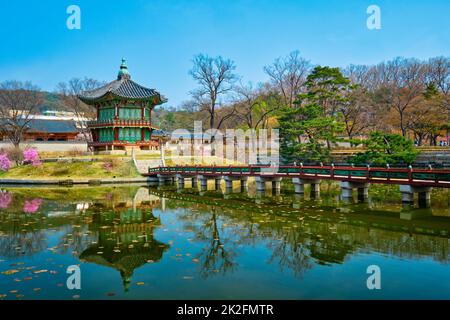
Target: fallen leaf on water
{"x":10,"y":272}
{"x":40,"y":271}
{"x":140,"y":283}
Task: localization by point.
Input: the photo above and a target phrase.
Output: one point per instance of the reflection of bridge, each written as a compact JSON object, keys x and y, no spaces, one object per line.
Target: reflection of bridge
{"x":410,"y":180}
{"x":331,"y":235}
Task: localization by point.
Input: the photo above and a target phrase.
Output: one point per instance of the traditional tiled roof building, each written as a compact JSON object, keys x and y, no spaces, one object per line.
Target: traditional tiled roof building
{"x":123,"y":114}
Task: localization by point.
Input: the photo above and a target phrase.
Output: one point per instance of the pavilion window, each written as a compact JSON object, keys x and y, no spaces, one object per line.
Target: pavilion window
{"x":147,"y":135}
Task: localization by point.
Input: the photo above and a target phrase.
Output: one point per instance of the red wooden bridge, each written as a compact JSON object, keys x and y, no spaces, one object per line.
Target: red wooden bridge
{"x":411,"y":180}
{"x":401,"y":176}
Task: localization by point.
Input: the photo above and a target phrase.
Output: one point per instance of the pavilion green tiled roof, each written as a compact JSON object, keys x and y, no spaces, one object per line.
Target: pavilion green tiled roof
{"x":123,"y":88}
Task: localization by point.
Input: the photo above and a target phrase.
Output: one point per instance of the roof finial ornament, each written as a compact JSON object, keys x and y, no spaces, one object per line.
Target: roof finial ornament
{"x":123,"y":72}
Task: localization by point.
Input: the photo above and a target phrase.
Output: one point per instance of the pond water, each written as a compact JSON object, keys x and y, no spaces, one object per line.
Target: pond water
{"x":140,"y":242}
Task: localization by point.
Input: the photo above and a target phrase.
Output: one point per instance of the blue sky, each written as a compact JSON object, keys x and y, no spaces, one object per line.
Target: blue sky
{"x":160,"y":37}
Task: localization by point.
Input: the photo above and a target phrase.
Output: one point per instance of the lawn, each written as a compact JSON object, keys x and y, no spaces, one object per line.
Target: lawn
{"x":77,"y":170}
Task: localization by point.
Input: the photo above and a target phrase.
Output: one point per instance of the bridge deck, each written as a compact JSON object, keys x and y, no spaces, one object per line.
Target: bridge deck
{"x":400,"y":176}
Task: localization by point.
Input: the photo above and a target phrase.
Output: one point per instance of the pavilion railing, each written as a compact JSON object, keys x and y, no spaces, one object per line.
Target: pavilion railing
{"x":120,"y":122}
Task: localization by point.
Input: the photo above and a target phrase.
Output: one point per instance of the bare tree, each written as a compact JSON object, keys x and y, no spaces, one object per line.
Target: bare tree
{"x":356,"y":113}
{"x":288,"y":75}
{"x":439,"y":76}
{"x":69,"y":92}
{"x":254,"y":105}
{"x":401,"y":85}
{"x":19,"y":102}
{"x":215,"y":77}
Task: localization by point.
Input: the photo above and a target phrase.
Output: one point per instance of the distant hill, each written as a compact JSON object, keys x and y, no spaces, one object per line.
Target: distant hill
{"x":52,"y":102}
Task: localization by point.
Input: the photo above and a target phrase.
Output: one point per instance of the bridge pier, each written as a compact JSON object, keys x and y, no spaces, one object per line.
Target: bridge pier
{"x":165,"y":179}
{"x":180,"y":180}
{"x":194,"y":182}
{"x":261,"y":183}
{"x":347,"y":190}
{"x":276,"y":186}
{"x":229,"y":182}
{"x":299,"y":186}
{"x":315,"y":187}
{"x":424,"y":194}
{"x":204,"y":182}
{"x":217,"y":182}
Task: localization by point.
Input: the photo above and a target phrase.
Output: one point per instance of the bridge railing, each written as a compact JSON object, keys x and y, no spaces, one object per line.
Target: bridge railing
{"x":368,"y":173}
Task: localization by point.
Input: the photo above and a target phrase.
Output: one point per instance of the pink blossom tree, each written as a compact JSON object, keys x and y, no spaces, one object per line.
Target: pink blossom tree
{"x":5,"y":163}
{"x":31,"y":155}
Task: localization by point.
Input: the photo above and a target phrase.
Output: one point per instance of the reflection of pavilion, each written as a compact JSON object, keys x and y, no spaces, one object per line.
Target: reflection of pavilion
{"x":125,"y":238}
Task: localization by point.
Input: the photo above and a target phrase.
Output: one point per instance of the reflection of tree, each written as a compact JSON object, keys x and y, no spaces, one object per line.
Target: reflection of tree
{"x":290,"y":252}
{"x":19,"y":244}
{"x":75,"y":240}
{"x":216,"y":257}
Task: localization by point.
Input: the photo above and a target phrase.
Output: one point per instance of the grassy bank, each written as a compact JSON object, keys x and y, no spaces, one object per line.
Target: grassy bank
{"x":78,"y":170}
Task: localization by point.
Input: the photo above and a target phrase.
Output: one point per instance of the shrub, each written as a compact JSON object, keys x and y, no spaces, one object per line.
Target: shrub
{"x":383,"y":149}
{"x":5,"y":163}
{"x":15,"y":154}
{"x":75,"y":152}
{"x":111,"y":164}
{"x":31,"y":156}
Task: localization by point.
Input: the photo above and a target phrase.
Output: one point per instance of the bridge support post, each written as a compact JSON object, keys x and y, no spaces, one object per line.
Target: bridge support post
{"x":298,"y":185}
{"x":217,"y":182}
{"x":260,"y":184}
{"x":203,"y":183}
{"x":276,"y":186}
{"x":347,"y":189}
{"x":243,"y":184}
{"x":180,"y":180}
{"x":424,"y":194}
{"x":228,"y":183}
{"x":164,"y":179}
{"x":194,"y":182}
{"x":315,"y":187}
